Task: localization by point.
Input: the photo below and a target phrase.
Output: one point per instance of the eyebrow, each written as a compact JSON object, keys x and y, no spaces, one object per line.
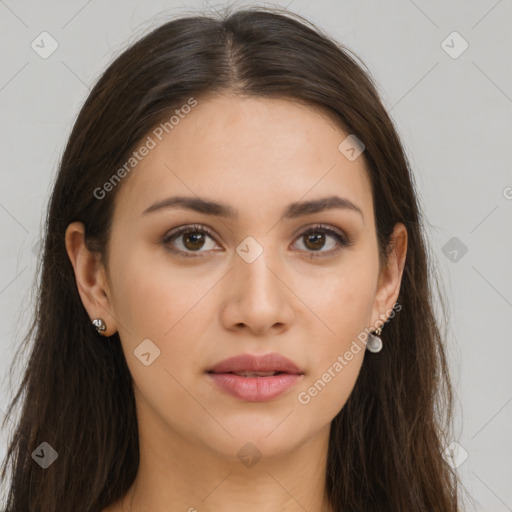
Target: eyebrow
{"x":293,"y":210}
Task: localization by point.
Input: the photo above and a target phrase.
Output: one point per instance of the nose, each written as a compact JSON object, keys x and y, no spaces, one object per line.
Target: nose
{"x":257,"y":296}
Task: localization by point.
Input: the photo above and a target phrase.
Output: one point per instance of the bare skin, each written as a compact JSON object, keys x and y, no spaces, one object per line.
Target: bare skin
{"x":303,"y":299}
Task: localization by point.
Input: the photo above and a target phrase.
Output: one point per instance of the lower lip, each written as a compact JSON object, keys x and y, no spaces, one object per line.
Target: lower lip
{"x":255,"y":389}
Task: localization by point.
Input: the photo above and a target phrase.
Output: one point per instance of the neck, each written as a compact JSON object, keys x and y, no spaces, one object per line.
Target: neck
{"x":174,"y":469}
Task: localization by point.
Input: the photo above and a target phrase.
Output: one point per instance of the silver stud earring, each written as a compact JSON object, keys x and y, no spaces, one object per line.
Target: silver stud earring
{"x":100,"y":325}
{"x":374,"y":343}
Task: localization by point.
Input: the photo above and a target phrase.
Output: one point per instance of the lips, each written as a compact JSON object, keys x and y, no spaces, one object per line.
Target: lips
{"x":256,"y":378}
{"x":250,"y":365}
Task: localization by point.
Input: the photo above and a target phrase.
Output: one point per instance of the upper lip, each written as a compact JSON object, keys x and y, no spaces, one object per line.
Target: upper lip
{"x":262,"y":363}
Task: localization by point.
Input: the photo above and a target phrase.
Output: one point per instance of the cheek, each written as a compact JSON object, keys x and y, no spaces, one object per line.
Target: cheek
{"x":143,"y":301}
{"x":327,"y":390}
{"x":342,"y":301}
{"x":166,"y":305}
{"x":337,"y":355}
{"x":151,"y":297}
{"x":163,"y":306}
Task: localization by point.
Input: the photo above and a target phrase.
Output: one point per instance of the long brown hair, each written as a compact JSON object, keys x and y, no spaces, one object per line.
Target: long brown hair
{"x":386,"y":444}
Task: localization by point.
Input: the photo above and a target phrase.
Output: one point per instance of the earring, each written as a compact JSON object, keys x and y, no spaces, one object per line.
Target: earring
{"x":99,"y":324}
{"x":374,"y":343}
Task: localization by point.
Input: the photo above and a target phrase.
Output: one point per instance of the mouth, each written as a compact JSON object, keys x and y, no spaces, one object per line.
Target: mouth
{"x":247,"y":373}
{"x":250,"y":387}
{"x":256,"y":365}
{"x":256,"y":378}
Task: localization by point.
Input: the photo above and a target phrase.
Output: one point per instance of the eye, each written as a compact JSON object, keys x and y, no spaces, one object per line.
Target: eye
{"x":194,"y":237}
{"x":314,"y":239}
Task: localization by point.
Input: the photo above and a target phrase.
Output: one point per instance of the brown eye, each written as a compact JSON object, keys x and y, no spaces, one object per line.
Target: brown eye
{"x":193,"y":240}
{"x":317,"y":237}
{"x":188,"y":240}
{"x":314,"y":241}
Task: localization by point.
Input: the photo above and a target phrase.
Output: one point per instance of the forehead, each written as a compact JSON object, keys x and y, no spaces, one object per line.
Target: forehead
{"x":255,"y":154}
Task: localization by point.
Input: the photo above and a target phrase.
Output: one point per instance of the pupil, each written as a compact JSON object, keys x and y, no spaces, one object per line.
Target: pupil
{"x":316,"y":238}
{"x":197,"y":240}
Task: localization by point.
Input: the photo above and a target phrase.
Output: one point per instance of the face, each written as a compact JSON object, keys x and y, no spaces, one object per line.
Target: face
{"x":188,"y":289}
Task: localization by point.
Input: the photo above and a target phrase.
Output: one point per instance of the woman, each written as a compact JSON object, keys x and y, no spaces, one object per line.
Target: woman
{"x":235,"y":309}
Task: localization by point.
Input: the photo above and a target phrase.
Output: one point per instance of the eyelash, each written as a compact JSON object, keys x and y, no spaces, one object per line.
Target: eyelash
{"x":319,"y":228}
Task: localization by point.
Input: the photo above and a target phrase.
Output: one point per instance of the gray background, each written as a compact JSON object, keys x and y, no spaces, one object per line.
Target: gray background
{"x":453,"y":114}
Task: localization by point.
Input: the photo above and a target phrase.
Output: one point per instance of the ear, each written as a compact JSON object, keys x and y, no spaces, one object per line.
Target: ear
{"x":390,"y":277}
{"x":90,"y":277}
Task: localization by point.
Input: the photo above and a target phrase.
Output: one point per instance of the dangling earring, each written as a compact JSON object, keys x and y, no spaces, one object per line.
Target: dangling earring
{"x":374,"y":343}
{"x":100,"y":325}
